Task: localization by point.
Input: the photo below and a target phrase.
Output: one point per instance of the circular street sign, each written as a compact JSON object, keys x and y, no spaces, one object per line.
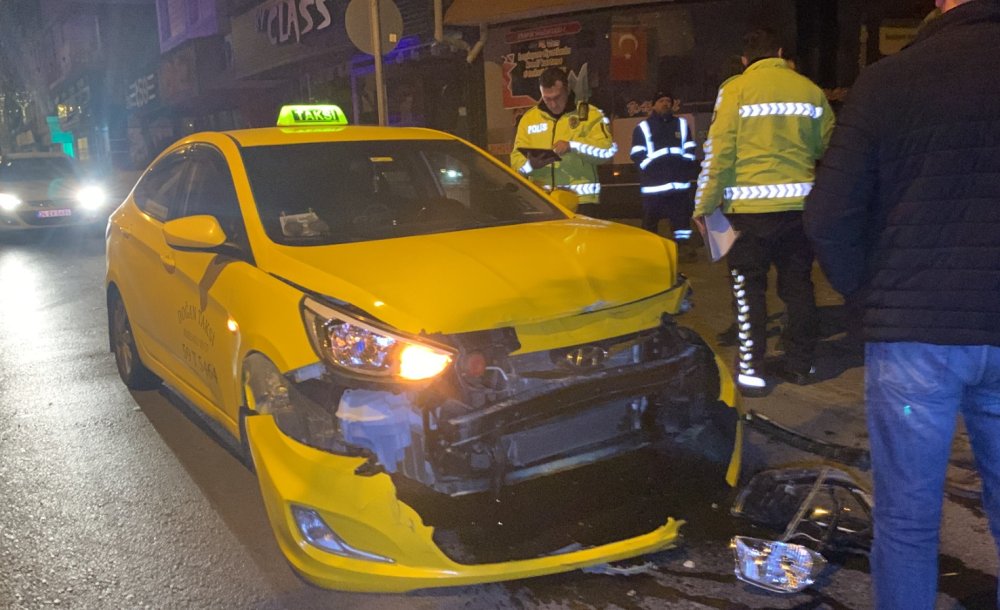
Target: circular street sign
{"x":358,"y":22}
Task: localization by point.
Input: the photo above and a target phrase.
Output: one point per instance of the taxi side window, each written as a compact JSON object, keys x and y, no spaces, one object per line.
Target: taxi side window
{"x":211,"y":191}
{"x":159,"y":190}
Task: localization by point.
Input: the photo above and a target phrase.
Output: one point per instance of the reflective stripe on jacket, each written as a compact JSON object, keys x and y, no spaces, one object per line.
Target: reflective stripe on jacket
{"x":663,"y":149}
{"x":771,"y":126}
{"x":590,"y":145}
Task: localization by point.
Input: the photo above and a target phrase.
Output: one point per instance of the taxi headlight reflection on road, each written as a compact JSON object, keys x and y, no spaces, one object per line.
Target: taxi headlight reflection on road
{"x":360,"y":347}
{"x":92,"y":197}
{"x":9,"y":202}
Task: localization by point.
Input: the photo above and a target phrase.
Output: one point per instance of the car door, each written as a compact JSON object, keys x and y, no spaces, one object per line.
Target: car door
{"x":141,"y":254}
{"x":205,"y":337}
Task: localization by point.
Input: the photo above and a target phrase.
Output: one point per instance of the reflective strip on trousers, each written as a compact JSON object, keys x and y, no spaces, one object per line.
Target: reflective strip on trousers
{"x":746,"y":363}
{"x":769,"y":191}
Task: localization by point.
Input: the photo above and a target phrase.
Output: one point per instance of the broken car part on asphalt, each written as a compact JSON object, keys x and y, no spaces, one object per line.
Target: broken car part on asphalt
{"x":823,"y":507}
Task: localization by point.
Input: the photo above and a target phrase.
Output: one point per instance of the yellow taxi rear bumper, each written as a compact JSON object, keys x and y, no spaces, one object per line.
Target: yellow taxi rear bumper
{"x":365,"y":512}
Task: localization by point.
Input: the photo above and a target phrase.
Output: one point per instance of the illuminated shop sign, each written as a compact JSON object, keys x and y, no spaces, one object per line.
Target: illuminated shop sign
{"x":286,"y":21}
{"x":141,"y":91}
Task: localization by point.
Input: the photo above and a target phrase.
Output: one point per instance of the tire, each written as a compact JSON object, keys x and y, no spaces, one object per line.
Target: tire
{"x":133,"y":372}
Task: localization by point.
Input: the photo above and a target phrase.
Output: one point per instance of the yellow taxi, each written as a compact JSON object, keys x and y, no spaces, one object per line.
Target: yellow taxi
{"x":400,"y":330}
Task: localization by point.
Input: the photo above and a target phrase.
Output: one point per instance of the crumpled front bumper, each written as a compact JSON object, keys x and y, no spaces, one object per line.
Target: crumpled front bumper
{"x":367,"y":514}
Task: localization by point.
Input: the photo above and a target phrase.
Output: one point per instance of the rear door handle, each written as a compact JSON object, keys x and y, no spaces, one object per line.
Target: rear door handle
{"x":168,"y":261}
{"x":125,"y":231}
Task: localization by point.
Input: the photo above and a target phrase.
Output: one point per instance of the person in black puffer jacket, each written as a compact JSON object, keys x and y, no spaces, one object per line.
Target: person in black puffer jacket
{"x":905,"y":220}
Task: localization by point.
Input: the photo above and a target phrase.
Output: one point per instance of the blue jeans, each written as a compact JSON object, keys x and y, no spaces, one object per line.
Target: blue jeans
{"x":914,"y":393}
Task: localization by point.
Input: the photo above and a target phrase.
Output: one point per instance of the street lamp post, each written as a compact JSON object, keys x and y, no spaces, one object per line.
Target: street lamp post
{"x":377,"y":56}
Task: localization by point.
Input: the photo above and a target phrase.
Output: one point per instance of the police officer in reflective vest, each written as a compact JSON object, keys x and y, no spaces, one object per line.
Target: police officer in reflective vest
{"x":576,"y":131}
{"x":771,"y":126}
{"x":663,"y":148}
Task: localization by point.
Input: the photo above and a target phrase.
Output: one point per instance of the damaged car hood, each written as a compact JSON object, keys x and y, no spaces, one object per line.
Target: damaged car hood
{"x":486,"y":278}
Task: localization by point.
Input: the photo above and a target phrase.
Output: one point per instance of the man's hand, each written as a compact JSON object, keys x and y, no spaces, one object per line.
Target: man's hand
{"x":561,"y":147}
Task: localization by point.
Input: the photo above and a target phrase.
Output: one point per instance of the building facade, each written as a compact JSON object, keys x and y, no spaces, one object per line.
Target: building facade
{"x":629,"y":49}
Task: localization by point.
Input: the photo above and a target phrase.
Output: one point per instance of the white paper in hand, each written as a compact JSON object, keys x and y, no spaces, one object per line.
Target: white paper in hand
{"x":719,"y":234}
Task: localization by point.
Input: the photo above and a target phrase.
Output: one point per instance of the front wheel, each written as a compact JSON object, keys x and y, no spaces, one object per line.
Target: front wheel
{"x":133,"y":372}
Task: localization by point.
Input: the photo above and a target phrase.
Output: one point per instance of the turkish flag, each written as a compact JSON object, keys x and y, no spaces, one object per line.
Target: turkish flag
{"x":628,"y":53}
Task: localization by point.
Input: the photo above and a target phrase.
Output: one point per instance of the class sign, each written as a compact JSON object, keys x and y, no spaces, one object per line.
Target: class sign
{"x":290,"y":20}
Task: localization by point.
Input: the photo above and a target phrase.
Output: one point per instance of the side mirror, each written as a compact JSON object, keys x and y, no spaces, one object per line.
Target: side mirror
{"x":194,"y":233}
{"x":567,"y":199}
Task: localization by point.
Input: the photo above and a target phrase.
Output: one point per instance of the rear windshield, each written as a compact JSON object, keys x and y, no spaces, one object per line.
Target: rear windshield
{"x":341,"y":192}
{"x":36,"y":168}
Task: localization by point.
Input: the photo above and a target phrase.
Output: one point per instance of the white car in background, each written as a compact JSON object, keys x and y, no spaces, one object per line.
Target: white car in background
{"x":47,"y":189}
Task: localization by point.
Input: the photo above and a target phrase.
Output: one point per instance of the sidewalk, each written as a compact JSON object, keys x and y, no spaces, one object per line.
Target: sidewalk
{"x":830,"y":410}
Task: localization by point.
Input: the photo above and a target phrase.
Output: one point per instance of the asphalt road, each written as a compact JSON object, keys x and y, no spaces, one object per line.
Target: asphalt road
{"x":112,"y":499}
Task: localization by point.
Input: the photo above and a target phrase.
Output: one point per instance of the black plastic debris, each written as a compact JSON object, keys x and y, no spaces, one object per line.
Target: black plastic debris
{"x":823,"y":508}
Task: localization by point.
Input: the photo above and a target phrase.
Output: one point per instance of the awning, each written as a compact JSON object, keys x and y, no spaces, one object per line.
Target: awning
{"x":476,"y":12}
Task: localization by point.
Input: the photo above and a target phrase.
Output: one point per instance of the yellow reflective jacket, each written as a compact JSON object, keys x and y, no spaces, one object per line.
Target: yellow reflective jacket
{"x":590,"y":145}
{"x":771,"y":126}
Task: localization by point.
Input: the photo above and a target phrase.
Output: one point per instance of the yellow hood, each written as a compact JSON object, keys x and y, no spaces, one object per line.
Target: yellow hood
{"x":486,"y":278}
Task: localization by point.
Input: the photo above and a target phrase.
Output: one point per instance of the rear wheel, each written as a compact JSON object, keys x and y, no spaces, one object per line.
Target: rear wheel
{"x":133,"y":372}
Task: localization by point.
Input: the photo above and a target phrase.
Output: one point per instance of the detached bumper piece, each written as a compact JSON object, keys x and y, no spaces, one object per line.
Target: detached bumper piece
{"x":391,"y":549}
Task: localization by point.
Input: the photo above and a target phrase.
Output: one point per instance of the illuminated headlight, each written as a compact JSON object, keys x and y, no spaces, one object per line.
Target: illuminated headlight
{"x":320,"y":535}
{"x":363,"y":348}
{"x":92,"y":197}
{"x":8,"y":202}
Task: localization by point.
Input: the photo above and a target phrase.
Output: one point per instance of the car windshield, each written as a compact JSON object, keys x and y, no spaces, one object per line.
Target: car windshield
{"x":36,"y":169}
{"x":342,"y":192}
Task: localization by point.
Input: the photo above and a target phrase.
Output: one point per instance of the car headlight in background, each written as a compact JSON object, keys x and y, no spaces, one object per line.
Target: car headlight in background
{"x":8,"y":202}
{"x":92,"y":197}
{"x":359,"y":347}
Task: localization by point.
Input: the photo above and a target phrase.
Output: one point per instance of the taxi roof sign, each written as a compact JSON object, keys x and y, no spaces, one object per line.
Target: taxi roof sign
{"x":311,"y":114}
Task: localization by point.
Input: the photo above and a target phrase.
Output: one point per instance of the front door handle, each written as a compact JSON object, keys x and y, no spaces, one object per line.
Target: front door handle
{"x":168,"y":261}
{"x":125,"y":231}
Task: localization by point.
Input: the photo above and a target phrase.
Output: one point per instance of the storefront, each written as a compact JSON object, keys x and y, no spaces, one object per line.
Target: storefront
{"x":304,"y":45}
{"x":82,"y":114}
{"x":629,"y":50}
